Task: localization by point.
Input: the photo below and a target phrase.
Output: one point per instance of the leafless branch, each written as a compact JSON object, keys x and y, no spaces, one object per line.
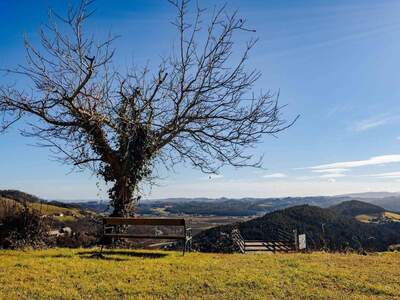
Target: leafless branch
{"x":197,"y":107}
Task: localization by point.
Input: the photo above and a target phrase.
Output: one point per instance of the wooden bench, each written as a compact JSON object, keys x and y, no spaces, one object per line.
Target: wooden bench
{"x":110,"y":224}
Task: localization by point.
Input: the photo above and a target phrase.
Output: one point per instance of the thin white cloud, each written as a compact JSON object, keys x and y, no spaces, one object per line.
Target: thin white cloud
{"x":338,"y":175}
{"x":275,"y":175}
{"x":376,"y":160}
{"x":388,"y":175}
{"x":331,"y":171}
{"x":374,"y":122}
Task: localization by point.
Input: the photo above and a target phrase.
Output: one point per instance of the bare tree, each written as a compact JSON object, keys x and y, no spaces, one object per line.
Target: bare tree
{"x":196,"y":107}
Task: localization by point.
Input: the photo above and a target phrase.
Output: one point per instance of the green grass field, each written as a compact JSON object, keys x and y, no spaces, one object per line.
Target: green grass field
{"x":125,"y":274}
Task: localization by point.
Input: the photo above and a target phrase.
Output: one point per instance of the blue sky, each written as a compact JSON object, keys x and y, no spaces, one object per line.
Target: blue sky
{"x":336,"y":63}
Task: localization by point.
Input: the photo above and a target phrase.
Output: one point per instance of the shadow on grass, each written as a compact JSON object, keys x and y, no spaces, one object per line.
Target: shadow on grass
{"x":97,"y":255}
{"x":55,"y":256}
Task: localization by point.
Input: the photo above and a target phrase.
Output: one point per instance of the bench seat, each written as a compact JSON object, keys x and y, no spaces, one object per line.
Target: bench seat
{"x":138,"y":236}
{"x":111,"y":223}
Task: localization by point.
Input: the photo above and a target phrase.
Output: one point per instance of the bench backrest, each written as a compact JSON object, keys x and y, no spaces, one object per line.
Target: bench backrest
{"x":144,"y":221}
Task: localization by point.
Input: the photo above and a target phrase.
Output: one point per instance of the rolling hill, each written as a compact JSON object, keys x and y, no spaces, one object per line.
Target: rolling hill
{"x":244,"y":207}
{"x":390,"y":203}
{"x":366,"y":212}
{"x":334,"y":228}
{"x":227,"y":207}
{"x":354,"y":208}
{"x":12,"y":201}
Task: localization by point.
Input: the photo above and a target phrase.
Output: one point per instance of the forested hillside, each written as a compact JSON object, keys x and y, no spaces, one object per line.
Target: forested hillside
{"x":326,"y":228}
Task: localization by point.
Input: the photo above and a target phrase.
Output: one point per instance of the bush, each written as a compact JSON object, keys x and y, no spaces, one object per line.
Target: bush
{"x":25,"y":228}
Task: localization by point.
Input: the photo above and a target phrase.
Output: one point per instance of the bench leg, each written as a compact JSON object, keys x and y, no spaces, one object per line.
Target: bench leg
{"x":99,"y":254}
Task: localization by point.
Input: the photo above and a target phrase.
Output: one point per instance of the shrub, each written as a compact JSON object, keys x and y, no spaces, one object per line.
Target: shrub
{"x":25,"y":228}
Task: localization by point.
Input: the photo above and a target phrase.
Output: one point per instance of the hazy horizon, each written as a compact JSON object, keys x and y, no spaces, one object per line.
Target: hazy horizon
{"x":372,"y":194}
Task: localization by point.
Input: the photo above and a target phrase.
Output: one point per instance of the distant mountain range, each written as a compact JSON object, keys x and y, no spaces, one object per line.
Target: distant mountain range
{"x":373,"y":195}
{"x":215,"y":207}
{"x":244,"y":206}
{"x":225,"y":206}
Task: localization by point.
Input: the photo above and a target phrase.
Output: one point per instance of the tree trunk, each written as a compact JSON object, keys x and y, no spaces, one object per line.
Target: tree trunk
{"x":121,"y":195}
{"x":122,"y":201}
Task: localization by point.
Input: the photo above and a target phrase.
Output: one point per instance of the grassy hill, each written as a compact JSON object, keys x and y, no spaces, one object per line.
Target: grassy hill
{"x":12,"y":201}
{"x":61,"y":213}
{"x":125,"y":274}
{"x":19,"y":196}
